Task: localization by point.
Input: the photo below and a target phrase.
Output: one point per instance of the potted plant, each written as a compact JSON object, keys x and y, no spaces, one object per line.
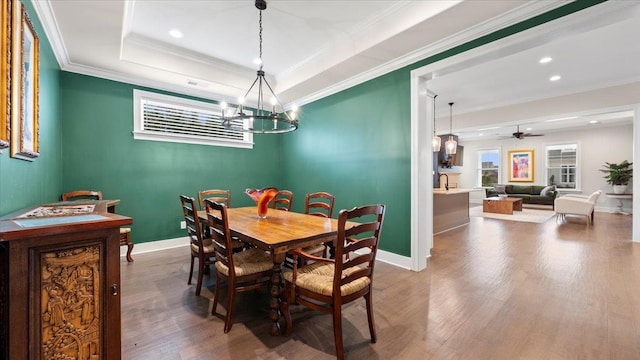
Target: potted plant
{"x":618,"y":175}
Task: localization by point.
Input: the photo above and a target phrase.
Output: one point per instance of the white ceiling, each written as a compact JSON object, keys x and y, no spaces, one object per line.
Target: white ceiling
{"x":315,"y":48}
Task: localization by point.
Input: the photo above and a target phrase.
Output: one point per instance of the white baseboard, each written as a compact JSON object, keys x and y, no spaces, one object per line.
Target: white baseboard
{"x":151,"y":246}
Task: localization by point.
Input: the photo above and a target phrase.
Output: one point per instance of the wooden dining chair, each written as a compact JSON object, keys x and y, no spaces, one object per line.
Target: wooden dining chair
{"x":246,"y":270}
{"x":82,"y":194}
{"x":125,"y":232}
{"x":318,"y":204}
{"x":217,"y":195}
{"x":282,"y":200}
{"x":327,"y":284}
{"x":201,"y":248}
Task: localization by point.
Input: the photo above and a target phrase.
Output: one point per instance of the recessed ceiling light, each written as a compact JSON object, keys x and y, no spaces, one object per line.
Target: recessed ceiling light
{"x":594,"y":122}
{"x":529,"y":129}
{"x":554,"y":78}
{"x":257,"y":61}
{"x":176,"y":33}
{"x":545,"y":60}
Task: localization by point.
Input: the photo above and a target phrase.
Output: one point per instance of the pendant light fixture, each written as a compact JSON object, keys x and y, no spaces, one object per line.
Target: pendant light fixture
{"x":264,"y":120}
{"x":451,"y":145}
{"x":436,"y":141}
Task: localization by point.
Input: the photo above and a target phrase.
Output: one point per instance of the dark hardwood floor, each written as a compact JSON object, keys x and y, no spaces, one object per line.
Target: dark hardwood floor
{"x":492,"y":290}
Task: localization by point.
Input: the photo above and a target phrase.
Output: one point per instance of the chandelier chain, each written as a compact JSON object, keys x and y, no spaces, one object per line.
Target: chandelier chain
{"x":260,"y":41}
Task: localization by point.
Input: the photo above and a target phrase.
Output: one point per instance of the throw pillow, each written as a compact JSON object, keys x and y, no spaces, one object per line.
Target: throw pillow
{"x":500,"y":189}
{"x":545,"y":191}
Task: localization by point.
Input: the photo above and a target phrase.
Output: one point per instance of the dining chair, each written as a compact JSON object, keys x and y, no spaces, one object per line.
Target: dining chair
{"x":125,"y":232}
{"x":246,"y":270}
{"x":217,"y":195}
{"x":82,"y":194}
{"x":327,"y":284}
{"x":318,"y":204}
{"x":282,"y":200}
{"x":201,"y":247}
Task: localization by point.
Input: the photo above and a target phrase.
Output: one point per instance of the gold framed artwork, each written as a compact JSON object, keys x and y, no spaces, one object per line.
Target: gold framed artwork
{"x":25,"y":61}
{"x":521,"y":165}
{"x":5,"y":73}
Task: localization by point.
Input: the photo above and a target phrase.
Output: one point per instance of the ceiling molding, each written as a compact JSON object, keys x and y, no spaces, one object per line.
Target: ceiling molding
{"x":47,"y":18}
{"x":513,"y":17}
{"x":46,"y":15}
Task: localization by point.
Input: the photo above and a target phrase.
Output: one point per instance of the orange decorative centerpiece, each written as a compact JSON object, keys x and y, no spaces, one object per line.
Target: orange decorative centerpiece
{"x":262,"y":198}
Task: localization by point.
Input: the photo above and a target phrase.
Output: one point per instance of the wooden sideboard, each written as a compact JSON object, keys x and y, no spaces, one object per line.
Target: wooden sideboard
{"x":60,"y":285}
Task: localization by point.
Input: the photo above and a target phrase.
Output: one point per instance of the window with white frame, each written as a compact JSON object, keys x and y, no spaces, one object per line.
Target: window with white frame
{"x":161,"y":117}
{"x":488,"y":167}
{"x":562,"y":165}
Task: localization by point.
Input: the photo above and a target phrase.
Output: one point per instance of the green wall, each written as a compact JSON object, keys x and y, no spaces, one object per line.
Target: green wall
{"x":27,"y":183}
{"x":356,"y":145}
{"x":148,"y":176}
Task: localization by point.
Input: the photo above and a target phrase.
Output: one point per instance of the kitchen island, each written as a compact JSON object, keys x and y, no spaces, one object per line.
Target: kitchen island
{"x":450,"y":209}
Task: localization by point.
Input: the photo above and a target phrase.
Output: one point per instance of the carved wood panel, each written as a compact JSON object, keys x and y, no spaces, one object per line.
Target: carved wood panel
{"x":70,"y":321}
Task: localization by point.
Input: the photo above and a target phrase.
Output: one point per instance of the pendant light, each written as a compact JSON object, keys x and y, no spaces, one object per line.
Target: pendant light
{"x":435,"y":141}
{"x":275,"y":120}
{"x":451,"y":145}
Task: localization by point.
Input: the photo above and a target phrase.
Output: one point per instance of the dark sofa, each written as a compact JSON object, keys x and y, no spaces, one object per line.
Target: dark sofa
{"x":530,"y":194}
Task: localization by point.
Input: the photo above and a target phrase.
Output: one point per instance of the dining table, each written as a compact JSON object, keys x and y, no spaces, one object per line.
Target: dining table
{"x":278,"y":233}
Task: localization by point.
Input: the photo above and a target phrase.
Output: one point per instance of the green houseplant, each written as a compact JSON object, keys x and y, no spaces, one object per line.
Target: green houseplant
{"x":618,"y":175}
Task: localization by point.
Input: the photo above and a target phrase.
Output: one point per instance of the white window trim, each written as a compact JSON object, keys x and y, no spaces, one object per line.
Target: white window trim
{"x":139,"y":133}
{"x":479,"y":165}
{"x":578,"y":164}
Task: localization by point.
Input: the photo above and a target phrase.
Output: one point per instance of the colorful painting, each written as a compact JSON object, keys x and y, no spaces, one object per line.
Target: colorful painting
{"x":521,"y":165}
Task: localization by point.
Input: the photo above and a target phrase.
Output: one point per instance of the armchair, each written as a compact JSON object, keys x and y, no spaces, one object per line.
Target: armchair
{"x":576,"y":205}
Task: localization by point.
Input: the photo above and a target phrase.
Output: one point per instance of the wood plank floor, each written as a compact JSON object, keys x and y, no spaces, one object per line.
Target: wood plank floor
{"x":492,"y":290}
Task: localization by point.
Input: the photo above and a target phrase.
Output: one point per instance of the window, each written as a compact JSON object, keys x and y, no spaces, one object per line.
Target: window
{"x":562,"y":165}
{"x":168,"y":118}
{"x":488,"y":167}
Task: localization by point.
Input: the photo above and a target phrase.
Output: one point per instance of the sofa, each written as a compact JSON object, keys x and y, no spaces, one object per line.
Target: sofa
{"x":530,"y":194}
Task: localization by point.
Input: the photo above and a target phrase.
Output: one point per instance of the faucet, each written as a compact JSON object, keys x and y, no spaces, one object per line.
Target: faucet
{"x":446,"y":185}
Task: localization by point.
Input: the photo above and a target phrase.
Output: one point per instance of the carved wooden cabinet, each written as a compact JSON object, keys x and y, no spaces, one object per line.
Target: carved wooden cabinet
{"x":60,"y":287}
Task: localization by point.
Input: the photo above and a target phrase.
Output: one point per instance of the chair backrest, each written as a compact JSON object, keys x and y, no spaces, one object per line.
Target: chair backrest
{"x":319,"y":204}
{"x":594,"y":197}
{"x":363,"y":238}
{"x":283,"y":200}
{"x":191,"y":220}
{"x":218,"y":223}
{"x":82,"y":194}
{"x":217,"y":195}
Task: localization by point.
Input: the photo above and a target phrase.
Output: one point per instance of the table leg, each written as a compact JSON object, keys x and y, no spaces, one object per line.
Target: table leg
{"x":276,"y":292}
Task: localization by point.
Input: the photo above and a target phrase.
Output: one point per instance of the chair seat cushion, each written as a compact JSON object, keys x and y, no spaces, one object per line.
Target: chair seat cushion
{"x":314,"y":249}
{"x":248,"y":262}
{"x":208,"y":248}
{"x":318,"y":277}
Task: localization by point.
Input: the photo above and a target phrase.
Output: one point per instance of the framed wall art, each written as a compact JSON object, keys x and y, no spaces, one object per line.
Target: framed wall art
{"x":521,"y":165}
{"x":5,"y":73}
{"x":24,"y":85}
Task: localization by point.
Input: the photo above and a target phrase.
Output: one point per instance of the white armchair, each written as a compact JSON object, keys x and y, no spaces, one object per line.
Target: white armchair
{"x":576,"y":205}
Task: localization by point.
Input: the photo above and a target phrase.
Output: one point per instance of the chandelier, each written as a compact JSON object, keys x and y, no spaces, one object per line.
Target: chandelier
{"x":451,"y":145}
{"x":263,"y":120}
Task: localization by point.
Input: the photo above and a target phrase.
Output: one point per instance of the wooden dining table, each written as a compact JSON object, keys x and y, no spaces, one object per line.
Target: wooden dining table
{"x":278,"y":233}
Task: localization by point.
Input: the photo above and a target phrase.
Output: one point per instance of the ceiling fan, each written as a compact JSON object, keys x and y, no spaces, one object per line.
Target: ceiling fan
{"x":520,"y":135}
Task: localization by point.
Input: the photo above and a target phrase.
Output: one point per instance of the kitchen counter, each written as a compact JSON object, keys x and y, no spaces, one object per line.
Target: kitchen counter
{"x":450,"y":209}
